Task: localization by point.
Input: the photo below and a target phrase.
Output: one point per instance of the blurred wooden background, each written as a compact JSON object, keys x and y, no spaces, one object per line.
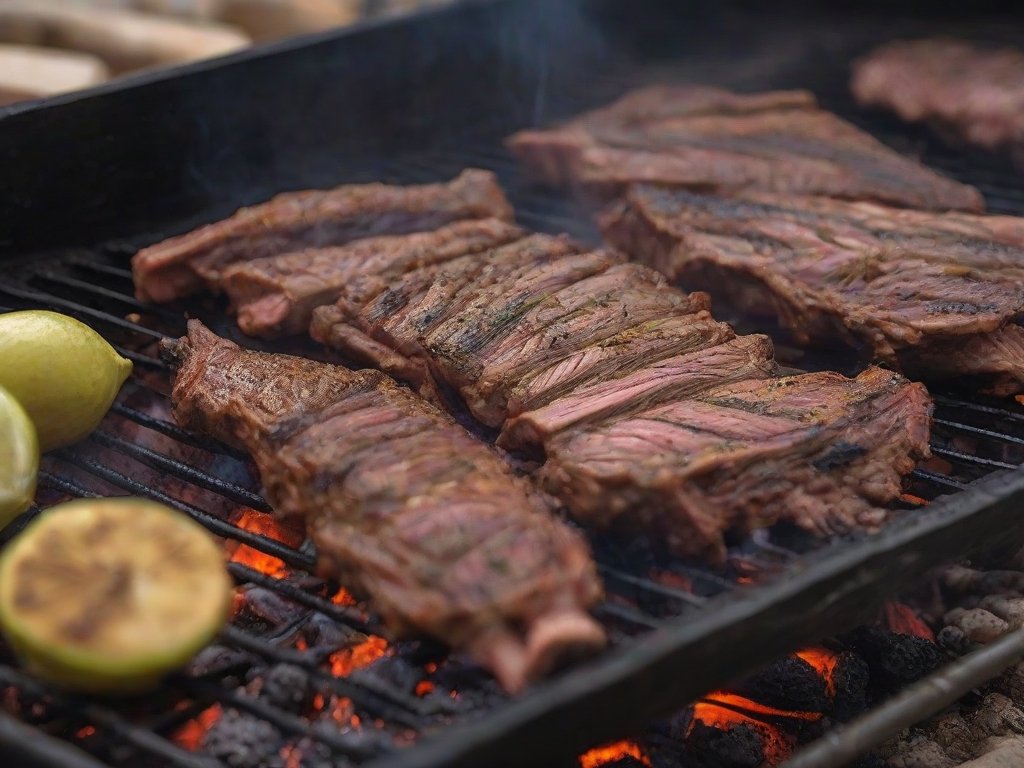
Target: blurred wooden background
{"x":49,"y":47}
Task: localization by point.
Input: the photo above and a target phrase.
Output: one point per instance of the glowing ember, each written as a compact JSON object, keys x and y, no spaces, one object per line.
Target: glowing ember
{"x":672,"y":579}
{"x":342,"y":597}
{"x":776,"y":745}
{"x":1019,"y":399}
{"x":291,"y":755}
{"x":825,"y":662}
{"x":346,"y":660}
{"x":262,"y":523}
{"x":912,"y":499}
{"x":86,"y":732}
{"x":318,"y":702}
{"x":612,"y":752}
{"x":423,"y":687}
{"x":903,"y":620}
{"x":751,"y":707}
{"x":190,"y":735}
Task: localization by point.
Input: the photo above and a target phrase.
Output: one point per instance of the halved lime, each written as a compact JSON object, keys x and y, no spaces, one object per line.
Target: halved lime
{"x":19,"y":458}
{"x":109,"y":595}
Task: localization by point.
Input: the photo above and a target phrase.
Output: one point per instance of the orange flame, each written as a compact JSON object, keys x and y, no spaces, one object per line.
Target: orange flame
{"x":609,"y":753}
{"x":85,"y":732}
{"x":264,"y":524}
{"x":825,"y":662}
{"x":190,"y":735}
{"x":354,"y":657}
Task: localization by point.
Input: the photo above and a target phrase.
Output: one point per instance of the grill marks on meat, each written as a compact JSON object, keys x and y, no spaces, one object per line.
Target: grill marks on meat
{"x":401,"y":502}
{"x":277,"y":295}
{"x":310,"y":219}
{"x":935,"y":295}
{"x":648,"y":411}
{"x":708,"y":138}
{"x":818,"y":450}
{"x":974,"y":93}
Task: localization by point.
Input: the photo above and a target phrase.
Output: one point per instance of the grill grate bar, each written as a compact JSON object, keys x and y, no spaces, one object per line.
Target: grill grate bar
{"x":359,"y":747}
{"x":970,"y":429}
{"x":650,"y":586}
{"x":142,"y":738}
{"x":627,"y":614}
{"x":359,"y":685}
{"x":264,"y":544}
{"x":937,"y":479}
{"x":967,"y":458}
{"x":172,"y":430}
{"x":49,"y":300}
{"x":966,"y":405}
{"x":349,"y":618}
{"x":151,"y":458}
{"x":90,"y":287}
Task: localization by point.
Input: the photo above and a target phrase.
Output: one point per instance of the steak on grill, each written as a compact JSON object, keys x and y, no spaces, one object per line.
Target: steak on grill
{"x":934,"y":295}
{"x":400,"y":501}
{"x":647,"y":410}
{"x":314,"y":218}
{"x":973,"y":93}
{"x":712,"y":139}
{"x":276,"y":295}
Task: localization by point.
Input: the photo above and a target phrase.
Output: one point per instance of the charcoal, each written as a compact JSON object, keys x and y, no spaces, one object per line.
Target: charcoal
{"x":851,"y":677}
{"x":286,"y":686}
{"x":243,"y":741}
{"x":739,"y":747}
{"x":894,"y":660}
{"x":790,"y":683}
{"x":217,"y":660}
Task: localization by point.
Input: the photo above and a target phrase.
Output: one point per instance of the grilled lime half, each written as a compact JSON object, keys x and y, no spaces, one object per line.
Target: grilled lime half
{"x":109,"y":595}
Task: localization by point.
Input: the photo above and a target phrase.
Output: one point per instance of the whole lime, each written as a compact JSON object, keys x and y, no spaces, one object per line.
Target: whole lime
{"x":64,"y":374}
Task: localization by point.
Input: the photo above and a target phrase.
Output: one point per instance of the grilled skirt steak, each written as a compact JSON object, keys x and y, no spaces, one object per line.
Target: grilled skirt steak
{"x":651,"y":415}
{"x":295,"y":220}
{"x":934,"y":295}
{"x":400,"y":501}
{"x":276,"y":295}
{"x":975,"y":94}
{"x":708,"y":138}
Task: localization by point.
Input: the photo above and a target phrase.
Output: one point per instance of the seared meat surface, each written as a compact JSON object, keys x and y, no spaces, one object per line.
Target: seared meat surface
{"x":974,"y":93}
{"x":315,"y":218}
{"x":276,"y":295}
{"x":934,"y":295}
{"x":650,"y":414}
{"x":712,"y":139}
{"x":400,"y":501}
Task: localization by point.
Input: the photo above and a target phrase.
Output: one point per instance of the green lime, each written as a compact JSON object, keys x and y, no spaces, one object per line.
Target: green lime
{"x":19,"y":458}
{"x":109,"y":595}
{"x":61,"y":371}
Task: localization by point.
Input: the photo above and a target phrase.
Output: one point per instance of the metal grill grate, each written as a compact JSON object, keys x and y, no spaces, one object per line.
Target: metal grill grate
{"x":139,"y":450}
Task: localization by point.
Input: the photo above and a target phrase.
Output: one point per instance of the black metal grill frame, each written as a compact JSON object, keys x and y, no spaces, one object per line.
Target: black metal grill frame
{"x":815,"y":593}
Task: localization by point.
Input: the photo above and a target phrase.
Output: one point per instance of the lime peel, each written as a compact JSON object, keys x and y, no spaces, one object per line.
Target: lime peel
{"x":19,"y":458}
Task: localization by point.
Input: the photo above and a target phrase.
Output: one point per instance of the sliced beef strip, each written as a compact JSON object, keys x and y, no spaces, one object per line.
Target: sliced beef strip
{"x":711,"y":139}
{"x":819,"y":450}
{"x":973,"y":92}
{"x":400,"y":501}
{"x":276,"y":295}
{"x":292,"y":221}
{"x":487,"y":329}
{"x":934,"y":295}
